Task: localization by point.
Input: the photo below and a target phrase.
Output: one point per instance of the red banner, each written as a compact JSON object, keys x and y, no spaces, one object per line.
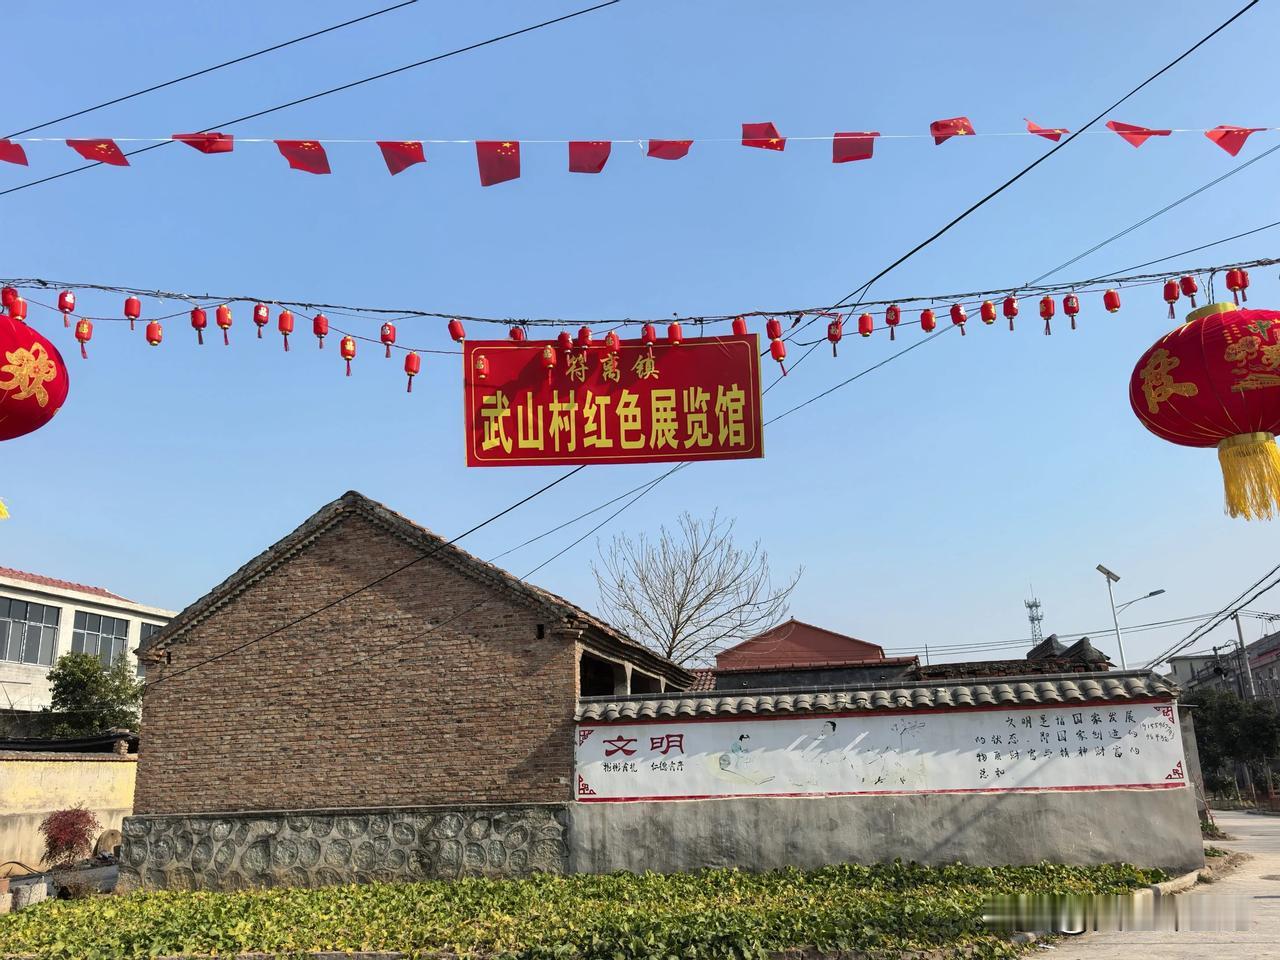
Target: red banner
{"x":695,"y":400}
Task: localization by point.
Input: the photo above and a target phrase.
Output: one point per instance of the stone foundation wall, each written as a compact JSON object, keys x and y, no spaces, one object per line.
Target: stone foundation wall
{"x":314,"y":848}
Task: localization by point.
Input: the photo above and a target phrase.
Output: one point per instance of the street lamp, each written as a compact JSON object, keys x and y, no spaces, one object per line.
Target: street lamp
{"x":1115,"y":619}
{"x":1147,"y":596}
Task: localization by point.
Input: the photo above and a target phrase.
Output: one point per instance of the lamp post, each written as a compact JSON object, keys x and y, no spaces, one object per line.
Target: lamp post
{"x":1115,"y":619}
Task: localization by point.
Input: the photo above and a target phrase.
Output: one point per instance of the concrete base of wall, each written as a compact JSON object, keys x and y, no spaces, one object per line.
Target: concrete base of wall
{"x":1149,"y":828}
{"x":311,"y":848}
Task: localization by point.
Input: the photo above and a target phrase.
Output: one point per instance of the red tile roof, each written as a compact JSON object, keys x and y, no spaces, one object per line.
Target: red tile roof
{"x":54,"y":582}
{"x":797,"y":644}
{"x":703,"y":680}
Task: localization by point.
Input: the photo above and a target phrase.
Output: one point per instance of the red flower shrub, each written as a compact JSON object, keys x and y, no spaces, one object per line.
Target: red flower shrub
{"x":68,"y":836}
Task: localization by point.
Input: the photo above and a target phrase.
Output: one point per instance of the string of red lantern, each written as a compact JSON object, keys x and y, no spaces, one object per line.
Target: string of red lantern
{"x":1173,"y":288}
{"x":498,"y":161}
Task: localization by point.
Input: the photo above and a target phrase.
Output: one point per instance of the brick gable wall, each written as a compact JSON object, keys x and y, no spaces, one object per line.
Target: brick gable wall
{"x":478,"y":711}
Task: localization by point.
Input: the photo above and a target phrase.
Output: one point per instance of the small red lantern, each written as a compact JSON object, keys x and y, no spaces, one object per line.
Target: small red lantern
{"x":1010,"y":308}
{"x":674,"y":334}
{"x":866,"y":324}
{"x":1211,"y":382}
{"x":584,"y":337}
{"x":1237,"y":283}
{"x":67,"y":304}
{"x":564,"y":341}
{"x":18,"y":309}
{"x":285,"y":323}
{"x":320,"y":327}
{"x":1071,"y":307}
{"x":517,"y":334}
{"x":388,"y":335}
{"x":84,"y":333}
{"x":261,"y":317}
{"x":33,"y":379}
{"x":778,"y":350}
{"x":928,"y":320}
{"x":773,"y":328}
{"x":347,"y":350}
{"x":835,"y":330}
{"x":1111,"y":300}
{"x":155,"y":333}
{"x":1189,"y":287}
{"x":648,"y":335}
{"x":959,"y":317}
{"x":612,"y":342}
{"x":1171,"y":296}
{"x":892,"y":317}
{"x":1047,"y":308}
{"x":132,"y":310}
{"x":223,"y":319}
{"x":198,"y":322}
{"x":456,"y":330}
{"x":548,"y":360}
{"x":412,"y":367}
{"x":987,"y":312}
{"x":739,"y":326}
{"x":482,"y":367}
{"x":7,"y":296}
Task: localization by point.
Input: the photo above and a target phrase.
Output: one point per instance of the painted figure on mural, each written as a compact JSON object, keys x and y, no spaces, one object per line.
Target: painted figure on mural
{"x":737,"y":763}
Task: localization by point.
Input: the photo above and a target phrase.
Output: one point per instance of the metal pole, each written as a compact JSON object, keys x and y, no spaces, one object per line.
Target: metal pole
{"x":1244,"y":656}
{"x":1111,"y":594}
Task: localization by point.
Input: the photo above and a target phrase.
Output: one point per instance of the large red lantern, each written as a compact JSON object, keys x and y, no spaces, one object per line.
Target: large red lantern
{"x":347,"y":350}
{"x":84,"y":333}
{"x":412,"y":367}
{"x":261,"y":317}
{"x":33,"y":379}
{"x":67,"y":304}
{"x":388,"y":335}
{"x":892,"y":317}
{"x":1215,"y":381}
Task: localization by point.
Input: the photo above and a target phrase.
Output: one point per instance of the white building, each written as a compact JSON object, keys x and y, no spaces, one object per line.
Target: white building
{"x":42,"y":618}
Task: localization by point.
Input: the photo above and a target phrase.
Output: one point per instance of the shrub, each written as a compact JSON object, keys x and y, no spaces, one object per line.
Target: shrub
{"x":68,"y":836}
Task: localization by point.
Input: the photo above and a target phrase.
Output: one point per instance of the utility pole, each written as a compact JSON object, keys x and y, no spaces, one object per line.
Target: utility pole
{"x":1246,"y":670}
{"x":1115,"y":619}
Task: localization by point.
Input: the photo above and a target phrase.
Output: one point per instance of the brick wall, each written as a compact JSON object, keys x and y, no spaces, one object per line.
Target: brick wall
{"x":478,"y":711}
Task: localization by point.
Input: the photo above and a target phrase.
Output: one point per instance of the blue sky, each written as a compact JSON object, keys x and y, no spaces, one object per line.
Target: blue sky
{"x":922,"y":501}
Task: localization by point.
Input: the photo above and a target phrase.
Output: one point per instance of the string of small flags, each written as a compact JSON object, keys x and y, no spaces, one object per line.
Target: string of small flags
{"x":986,"y":306}
{"x":498,"y":161}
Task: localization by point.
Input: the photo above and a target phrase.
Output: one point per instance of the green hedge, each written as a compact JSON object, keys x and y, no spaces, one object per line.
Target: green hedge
{"x":712,"y":914}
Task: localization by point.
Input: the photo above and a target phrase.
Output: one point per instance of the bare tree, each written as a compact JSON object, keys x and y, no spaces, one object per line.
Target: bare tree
{"x":692,"y":591}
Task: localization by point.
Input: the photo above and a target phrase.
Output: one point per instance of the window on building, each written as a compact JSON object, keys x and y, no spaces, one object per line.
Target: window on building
{"x":103,"y":637}
{"x":28,"y":631}
{"x":144,"y":634}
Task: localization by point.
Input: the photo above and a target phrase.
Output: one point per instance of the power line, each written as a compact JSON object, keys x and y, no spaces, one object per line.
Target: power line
{"x":373,"y":583}
{"x":338,"y":89}
{"x":1183,"y":253}
{"x":1220,"y":617}
{"x":206,"y":70}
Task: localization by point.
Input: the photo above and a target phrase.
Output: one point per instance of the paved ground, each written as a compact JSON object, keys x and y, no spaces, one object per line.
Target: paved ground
{"x":1258,"y":881}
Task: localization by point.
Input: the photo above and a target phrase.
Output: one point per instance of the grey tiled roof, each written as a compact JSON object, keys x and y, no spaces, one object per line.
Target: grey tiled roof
{"x":1034,"y":690}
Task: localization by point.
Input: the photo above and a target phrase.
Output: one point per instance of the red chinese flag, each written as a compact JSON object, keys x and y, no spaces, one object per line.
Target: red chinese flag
{"x":401,"y":154}
{"x":1229,"y":138}
{"x":852,"y":146}
{"x":588,"y":156}
{"x":669,"y":149}
{"x":946,"y":129}
{"x":1049,"y":133}
{"x":763,"y":135}
{"x":104,"y":151}
{"x":305,"y":155}
{"x":11,"y":152}
{"x":208,"y":142}
{"x":1135,"y":135}
{"x":499,"y":161}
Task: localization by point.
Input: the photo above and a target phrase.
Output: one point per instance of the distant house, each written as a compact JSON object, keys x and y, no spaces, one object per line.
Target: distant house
{"x":798,"y":654}
{"x":41,"y":618}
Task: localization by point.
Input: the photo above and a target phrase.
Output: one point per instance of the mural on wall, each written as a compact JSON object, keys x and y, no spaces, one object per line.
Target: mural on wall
{"x":1080,"y":747}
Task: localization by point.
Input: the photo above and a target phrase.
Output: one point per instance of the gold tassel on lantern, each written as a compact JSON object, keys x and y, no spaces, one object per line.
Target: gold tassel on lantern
{"x":1251,"y":475}
{"x":4,"y":511}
